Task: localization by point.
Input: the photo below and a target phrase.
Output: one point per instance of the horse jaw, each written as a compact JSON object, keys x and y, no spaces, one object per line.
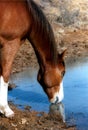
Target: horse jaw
{"x":58,"y":96}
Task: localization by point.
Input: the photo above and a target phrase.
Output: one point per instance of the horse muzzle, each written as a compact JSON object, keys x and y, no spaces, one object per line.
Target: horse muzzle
{"x":58,"y":96}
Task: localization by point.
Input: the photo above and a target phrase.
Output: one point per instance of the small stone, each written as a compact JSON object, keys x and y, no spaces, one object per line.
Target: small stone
{"x":14,"y":125}
{"x":23,"y":121}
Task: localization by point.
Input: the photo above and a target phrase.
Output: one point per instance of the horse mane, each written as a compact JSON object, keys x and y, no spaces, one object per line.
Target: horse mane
{"x":43,"y":28}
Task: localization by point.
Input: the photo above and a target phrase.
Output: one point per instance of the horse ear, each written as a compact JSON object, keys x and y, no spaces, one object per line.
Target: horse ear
{"x":61,"y":56}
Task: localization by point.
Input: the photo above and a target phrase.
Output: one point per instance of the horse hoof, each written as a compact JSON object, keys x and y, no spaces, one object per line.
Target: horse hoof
{"x":7,"y":112}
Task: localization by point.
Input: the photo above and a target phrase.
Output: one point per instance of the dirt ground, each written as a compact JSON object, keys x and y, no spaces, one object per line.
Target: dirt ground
{"x":76,"y":41}
{"x":31,"y":120}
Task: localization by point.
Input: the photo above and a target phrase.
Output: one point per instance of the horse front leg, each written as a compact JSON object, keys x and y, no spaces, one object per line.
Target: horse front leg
{"x":8,"y":53}
{"x":4,"y":107}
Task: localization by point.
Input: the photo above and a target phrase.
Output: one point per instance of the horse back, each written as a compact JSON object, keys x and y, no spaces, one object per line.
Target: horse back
{"x":14,"y":19}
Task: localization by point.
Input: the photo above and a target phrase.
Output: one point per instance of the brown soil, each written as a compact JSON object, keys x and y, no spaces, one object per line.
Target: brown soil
{"x":31,"y":120}
{"x":76,"y":42}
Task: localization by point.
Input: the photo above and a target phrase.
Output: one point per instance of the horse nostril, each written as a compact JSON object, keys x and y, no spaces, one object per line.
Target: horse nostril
{"x":57,"y":100}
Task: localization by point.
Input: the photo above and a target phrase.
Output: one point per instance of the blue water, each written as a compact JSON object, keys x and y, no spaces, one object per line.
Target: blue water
{"x":29,"y":92}
{"x":76,"y":94}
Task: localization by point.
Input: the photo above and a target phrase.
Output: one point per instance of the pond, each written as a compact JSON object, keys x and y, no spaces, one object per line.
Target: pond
{"x":76,"y":94}
{"x":29,"y":93}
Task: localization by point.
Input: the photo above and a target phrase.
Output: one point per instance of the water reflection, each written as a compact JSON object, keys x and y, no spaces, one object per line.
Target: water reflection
{"x":57,"y":111}
{"x":28,"y":91}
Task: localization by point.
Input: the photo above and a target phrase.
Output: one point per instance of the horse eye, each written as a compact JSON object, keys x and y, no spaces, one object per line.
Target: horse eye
{"x":63,"y":63}
{"x":63,"y":73}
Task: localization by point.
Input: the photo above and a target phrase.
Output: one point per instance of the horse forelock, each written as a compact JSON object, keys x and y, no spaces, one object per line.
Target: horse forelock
{"x":42,"y":28}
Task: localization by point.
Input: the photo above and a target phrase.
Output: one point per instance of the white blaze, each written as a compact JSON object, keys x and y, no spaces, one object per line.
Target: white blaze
{"x":59,"y":95}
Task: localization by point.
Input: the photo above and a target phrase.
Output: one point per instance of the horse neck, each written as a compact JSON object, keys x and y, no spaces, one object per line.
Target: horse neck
{"x":43,"y":50}
{"x":41,"y":36}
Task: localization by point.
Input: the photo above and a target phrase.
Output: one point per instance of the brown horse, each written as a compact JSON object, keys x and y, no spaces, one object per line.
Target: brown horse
{"x":21,"y":19}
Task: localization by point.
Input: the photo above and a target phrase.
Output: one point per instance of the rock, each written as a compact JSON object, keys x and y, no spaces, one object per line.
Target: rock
{"x":23,"y":121}
{"x":14,"y":125}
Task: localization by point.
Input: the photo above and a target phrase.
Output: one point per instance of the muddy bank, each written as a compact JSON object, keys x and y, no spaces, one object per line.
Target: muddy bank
{"x":31,"y":120}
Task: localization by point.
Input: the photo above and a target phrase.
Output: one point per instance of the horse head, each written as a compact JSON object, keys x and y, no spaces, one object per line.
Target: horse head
{"x":51,"y":78}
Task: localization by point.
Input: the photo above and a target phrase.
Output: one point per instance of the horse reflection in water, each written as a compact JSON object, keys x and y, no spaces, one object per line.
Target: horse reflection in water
{"x":20,"y":20}
{"x":57,"y":112}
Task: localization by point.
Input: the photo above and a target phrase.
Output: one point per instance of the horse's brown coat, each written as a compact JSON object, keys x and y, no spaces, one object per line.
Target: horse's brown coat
{"x":24,"y":19}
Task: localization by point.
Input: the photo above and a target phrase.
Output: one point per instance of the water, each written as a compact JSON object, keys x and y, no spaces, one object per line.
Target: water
{"x":76,"y":94}
{"x":29,"y":92}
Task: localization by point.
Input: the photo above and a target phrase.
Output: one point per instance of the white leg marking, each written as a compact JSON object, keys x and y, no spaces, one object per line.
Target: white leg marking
{"x":59,"y":95}
{"x":4,"y":108}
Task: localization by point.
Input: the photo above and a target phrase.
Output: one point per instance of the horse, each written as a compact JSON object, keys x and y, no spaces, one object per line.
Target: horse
{"x":20,"y":20}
